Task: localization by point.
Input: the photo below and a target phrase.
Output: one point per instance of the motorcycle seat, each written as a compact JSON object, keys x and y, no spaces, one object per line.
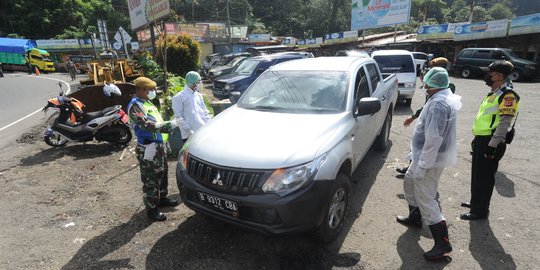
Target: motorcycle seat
{"x":93,"y":115}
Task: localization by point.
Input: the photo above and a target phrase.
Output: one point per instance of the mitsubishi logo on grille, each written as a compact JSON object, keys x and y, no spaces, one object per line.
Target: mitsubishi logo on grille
{"x":217,"y":180}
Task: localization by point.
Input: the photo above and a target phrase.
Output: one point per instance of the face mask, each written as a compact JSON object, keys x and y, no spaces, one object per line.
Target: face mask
{"x":488,"y":80}
{"x":152,"y":94}
{"x":199,"y":87}
{"x":425,"y":90}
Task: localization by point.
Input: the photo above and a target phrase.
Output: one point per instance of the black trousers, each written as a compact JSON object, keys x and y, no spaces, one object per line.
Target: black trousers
{"x":483,"y":175}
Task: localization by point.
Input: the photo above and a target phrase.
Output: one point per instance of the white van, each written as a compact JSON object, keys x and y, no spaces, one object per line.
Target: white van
{"x":402,"y":63}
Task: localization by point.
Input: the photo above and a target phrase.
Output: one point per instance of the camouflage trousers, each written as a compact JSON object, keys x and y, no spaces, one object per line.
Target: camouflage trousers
{"x":154,"y":175}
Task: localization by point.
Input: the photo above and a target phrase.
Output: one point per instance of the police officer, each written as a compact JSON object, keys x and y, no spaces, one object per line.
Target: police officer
{"x":495,"y":116}
{"x":433,"y":148}
{"x":151,"y":132}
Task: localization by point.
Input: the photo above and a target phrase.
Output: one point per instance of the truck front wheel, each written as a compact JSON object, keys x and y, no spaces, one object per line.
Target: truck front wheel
{"x":336,"y":209}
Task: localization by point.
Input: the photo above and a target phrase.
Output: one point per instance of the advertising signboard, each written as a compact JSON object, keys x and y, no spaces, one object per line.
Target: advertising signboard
{"x":341,"y":37}
{"x":527,"y":24}
{"x":143,"y":12}
{"x":438,"y":31}
{"x":377,"y":13}
{"x":480,"y":30}
{"x":64,"y":44}
{"x":259,"y":38}
{"x":310,"y":42}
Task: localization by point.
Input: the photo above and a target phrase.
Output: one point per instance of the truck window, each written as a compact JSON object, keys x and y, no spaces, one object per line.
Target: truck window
{"x":361,"y":86}
{"x":373,"y":76}
{"x":395,"y":63}
{"x":466,"y":54}
{"x":483,"y":54}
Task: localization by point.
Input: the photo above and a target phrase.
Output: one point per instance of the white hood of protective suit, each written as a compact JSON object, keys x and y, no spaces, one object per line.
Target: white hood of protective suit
{"x":434,"y":137}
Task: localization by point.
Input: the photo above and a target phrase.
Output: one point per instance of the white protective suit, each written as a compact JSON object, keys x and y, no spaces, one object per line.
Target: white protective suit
{"x":189,"y":109}
{"x":433,"y":148}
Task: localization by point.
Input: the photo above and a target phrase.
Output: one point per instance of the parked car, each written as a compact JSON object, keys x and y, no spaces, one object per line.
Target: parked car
{"x":281,"y":159}
{"x":470,"y":60}
{"x":421,"y":59}
{"x":356,"y":53}
{"x":245,"y":73}
{"x":400,"y":62}
{"x":218,"y":71}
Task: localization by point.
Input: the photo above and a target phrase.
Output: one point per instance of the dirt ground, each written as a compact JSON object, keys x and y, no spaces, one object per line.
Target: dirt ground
{"x":80,"y":207}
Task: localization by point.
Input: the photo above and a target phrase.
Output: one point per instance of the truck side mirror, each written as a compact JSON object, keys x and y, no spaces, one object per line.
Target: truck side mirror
{"x":367,"y":105}
{"x":234,"y":96}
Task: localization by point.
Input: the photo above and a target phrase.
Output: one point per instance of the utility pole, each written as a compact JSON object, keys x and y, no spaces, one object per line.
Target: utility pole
{"x":228,"y":22}
{"x":193,"y":11}
{"x":471,"y":13}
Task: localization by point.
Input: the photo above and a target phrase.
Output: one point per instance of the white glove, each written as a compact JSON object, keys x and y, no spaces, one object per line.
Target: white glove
{"x":419,"y":173}
{"x":176,"y":123}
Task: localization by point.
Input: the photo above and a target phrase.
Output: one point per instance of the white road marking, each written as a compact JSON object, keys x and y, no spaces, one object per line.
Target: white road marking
{"x":58,"y":80}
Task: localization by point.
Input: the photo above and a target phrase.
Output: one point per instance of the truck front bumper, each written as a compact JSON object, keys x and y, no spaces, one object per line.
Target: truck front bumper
{"x":266,"y":213}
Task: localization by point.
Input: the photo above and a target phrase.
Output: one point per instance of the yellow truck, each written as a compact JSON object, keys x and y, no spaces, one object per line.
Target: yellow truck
{"x":15,"y":51}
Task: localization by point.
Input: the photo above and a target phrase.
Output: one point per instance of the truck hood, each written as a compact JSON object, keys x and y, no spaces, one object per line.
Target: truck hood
{"x":232,"y":78}
{"x":221,"y":68}
{"x":243,"y":138}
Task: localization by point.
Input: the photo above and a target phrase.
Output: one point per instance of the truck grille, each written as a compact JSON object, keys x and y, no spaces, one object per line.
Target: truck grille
{"x":229,"y":180}
{"x":219,"y":85}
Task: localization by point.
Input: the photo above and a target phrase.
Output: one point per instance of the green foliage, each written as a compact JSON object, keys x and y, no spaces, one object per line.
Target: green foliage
{"x":182,"y":53}
{"x":500,"y":11}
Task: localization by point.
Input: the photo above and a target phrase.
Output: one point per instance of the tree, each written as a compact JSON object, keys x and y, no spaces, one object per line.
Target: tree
{"x":182,"y":53}
{"x":500,"y":11}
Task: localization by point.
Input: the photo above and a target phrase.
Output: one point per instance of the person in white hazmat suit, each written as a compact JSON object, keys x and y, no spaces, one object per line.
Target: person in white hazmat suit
{"x":433,"y":148}
{"x":189,"y":107}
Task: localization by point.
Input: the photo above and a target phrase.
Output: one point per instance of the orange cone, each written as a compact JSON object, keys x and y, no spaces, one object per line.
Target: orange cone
{"x":37,"y":71}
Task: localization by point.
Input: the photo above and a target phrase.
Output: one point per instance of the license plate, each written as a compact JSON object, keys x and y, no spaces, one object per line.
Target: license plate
{"x":124,"y":118}
{"x":220,"y":204}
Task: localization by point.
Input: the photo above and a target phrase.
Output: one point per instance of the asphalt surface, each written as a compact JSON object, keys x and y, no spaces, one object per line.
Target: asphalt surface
{"x":23,"y":96}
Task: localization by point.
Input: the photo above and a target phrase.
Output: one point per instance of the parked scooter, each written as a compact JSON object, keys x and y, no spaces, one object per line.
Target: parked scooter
{"x":67,"y":121}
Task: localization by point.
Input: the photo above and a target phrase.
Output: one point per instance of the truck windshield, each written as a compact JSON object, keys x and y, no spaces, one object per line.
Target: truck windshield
{"x":247,"y":67}
{"x":511,"y":54}
{"x":298,"y":92}
{"x":395,"y":63}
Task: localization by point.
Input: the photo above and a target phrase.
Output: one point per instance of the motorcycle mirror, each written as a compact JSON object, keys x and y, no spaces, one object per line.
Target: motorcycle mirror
{"x":61,"y":90}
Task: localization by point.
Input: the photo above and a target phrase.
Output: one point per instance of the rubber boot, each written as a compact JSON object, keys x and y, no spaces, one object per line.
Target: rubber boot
{"x":413,"y":219}
{"x":155,"y":215}
{"x":442,"y":243}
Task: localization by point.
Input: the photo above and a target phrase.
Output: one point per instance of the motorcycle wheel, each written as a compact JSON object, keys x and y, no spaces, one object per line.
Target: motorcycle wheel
{"x":55,"y":140}
{"x":124,"y":136}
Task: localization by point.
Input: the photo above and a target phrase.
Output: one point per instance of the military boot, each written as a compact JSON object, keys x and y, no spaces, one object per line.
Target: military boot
{"x":167,"y":202}
{"x":413,"y":219}
{"x":442,"y":243}
{"x":155,"y":215}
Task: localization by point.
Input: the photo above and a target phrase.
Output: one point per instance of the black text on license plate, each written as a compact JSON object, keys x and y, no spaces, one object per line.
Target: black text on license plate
{"x":220,"y":204}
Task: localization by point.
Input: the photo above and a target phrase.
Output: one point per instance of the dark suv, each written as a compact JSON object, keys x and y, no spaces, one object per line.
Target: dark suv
{"x":470,"y":60}
{"x":246,"y":73}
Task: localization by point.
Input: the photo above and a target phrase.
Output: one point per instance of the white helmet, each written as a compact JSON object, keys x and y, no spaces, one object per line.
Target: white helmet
{"x":109,"y":89}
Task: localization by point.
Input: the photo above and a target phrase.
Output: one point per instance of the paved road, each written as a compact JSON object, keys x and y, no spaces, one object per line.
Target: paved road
{"x":23,"y":96}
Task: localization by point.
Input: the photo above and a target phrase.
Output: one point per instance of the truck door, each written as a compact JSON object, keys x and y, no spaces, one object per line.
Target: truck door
{"x":363,"y":131}
{"x":378,"y":92}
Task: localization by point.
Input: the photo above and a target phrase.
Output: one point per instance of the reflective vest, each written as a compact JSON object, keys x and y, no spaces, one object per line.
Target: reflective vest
{"x":488,"y":116}
{"x":152,"y":114}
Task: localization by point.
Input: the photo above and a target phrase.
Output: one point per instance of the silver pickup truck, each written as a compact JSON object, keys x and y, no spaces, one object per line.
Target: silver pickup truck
{"x":281,"y":159}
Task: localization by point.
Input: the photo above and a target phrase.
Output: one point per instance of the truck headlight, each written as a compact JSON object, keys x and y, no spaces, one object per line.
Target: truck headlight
{"x":229,"y":87}
{"x":217,"y":73}
{"x":533,"y":67}
{"x":409,"y":85}
{"x":290,"y":179}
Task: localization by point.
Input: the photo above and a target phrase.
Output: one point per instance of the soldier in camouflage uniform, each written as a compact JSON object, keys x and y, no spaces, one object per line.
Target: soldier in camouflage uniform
{"x":151,"y":132}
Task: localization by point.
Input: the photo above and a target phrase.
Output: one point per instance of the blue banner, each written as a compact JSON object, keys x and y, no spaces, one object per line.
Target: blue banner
{"x":527,"y":24}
